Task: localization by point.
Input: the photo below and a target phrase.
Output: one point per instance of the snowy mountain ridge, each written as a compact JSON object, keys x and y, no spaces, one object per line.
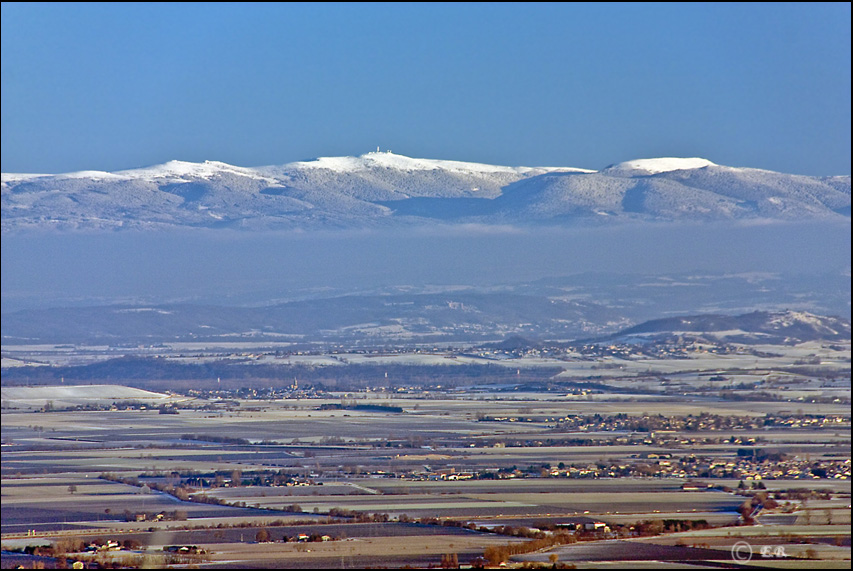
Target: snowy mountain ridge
{"x":374,"y":159}
{"x":383,"y":188}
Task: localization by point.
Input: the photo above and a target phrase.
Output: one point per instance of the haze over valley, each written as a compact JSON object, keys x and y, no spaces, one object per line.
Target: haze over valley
{"x":384,"y":227}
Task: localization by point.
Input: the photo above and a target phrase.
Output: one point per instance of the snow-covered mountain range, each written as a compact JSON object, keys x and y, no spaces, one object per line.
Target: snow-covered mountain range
{"x":386,"y":189}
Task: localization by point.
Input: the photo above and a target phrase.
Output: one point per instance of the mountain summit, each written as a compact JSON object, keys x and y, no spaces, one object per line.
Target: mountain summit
{"x":387,"y":189}
{"x":664,"y":164}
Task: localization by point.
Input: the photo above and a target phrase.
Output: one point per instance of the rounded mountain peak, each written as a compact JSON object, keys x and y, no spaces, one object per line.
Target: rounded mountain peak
{"x":659,"y":165}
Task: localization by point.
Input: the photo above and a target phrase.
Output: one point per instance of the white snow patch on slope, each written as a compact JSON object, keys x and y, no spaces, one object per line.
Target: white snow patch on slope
{"x":170,"y":171}
{"x":183,"y":169}
{"x":92,"y":175}
{"x":663,"y":164}
{"x":790,"y":318}
{"x":143,"y":309}
{"x":400,"y":162}
{"x":78,"y":392}
{"x":18,"y":177}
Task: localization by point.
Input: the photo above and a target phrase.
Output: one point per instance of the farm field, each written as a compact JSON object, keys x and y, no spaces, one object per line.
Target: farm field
{"x":620,"y":462}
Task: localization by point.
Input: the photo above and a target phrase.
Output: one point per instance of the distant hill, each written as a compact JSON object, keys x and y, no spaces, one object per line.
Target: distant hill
{"x":385,"y":189}
{"x":76,"y":395}
{"x":423,"y":318}
{"x":584,"y":306}
{"x":783,"y":327}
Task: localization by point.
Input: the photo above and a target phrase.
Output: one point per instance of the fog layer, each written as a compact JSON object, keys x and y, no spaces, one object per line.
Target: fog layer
{"x":49,"y":270}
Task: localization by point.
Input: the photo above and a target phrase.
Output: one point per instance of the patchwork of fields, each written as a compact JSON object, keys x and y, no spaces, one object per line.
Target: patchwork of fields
{"x":413,"y":476}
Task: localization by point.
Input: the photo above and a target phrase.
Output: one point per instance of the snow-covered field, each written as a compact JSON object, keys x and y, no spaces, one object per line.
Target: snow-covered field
{"x":73,"y":395}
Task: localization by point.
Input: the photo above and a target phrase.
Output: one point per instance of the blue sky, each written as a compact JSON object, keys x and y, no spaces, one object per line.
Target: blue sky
{"x":114,"y":86}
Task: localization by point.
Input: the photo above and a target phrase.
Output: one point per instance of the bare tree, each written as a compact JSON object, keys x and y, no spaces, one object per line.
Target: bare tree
{"x":262,"y":536}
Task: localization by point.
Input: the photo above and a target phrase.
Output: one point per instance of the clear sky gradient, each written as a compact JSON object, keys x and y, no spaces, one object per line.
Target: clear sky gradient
{"x":106,"y":86}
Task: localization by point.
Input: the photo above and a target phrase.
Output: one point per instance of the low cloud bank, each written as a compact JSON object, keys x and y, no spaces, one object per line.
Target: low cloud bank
{"x":44,"y":270}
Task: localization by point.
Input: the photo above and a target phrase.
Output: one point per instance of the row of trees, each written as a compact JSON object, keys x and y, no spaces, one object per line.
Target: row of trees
{"x":264,"y":536}
{"x":497,"y":554}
